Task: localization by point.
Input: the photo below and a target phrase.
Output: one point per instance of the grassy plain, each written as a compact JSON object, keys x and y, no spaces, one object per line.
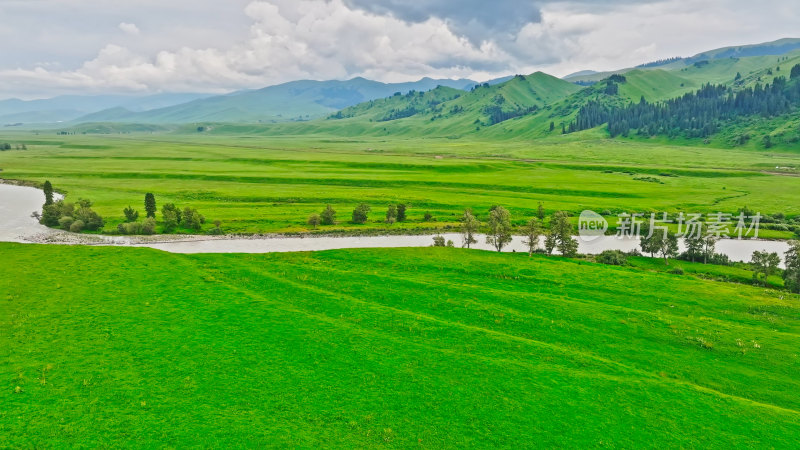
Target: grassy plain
{"x":395,"y":348}
{"x":272,"y":184}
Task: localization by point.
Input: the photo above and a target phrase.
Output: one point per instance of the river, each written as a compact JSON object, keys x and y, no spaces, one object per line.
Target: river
{"x":17,"y":203}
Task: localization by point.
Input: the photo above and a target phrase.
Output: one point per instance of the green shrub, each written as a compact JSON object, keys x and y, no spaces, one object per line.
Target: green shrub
{"x":612,"y":257}
{"x":361,"y":213}
{"x":148,"y":226}
{"x":677,"y":271}
{"x":130,"y":227}
{"x":65,"y":222}
{"x":328,"y":216}
{"x":77,"y":226}
{"x":91,"y":220}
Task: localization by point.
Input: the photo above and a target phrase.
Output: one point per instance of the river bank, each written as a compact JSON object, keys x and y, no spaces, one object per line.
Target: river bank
{"x":18,"y":203}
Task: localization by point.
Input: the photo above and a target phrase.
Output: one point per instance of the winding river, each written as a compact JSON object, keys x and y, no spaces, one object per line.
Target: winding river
{"x":18,"y":203}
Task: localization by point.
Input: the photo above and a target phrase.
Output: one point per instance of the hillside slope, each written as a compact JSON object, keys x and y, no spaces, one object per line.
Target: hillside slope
{"x":735,"y":59}
{"x":372,"y":348}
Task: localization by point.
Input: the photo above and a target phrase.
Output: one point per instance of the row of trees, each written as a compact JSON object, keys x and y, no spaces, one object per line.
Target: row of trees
{"x":79,"y":217}
{"x":499,"y":231}
{"x":394,"y":213}
{"x":172,"y":217}
{"x":765,"y":264}
{"x":700,"y":246}
{"x":697,"y":114}
{"x":6,"y":146}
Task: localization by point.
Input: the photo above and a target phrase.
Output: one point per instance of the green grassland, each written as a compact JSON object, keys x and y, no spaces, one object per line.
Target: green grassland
{"x":396,"y":348}
{"x":265,"y":184}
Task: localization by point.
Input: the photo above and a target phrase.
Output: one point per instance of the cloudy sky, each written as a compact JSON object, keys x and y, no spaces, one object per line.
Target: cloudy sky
{"x":52,"y":47}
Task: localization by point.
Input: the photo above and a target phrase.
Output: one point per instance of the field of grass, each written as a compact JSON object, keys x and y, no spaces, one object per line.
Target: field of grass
{"x":398,"y":348}
{"x":733,"y":274}
{"x":272,"y":184}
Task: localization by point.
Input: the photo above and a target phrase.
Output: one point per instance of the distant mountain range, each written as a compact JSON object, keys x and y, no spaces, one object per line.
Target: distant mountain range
{"x":359,"y":98}
{"x":70,"y":107}
{"x":294,"y":101}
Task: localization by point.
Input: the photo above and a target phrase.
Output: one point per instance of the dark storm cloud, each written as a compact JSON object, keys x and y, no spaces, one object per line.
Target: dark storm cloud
{"x":475,"y":19}
{"x":480,"y":20}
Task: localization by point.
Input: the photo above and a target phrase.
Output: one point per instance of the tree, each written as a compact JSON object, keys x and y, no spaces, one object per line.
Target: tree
{"x":562,"y":230}
{"x":709,"y":246}
{"x":391,"y":214}
{"x":313,"y":221}
{"x":427,"y":217}
{"x":667,"y":245}
{"x":648,"y":242}
{"x":401,"y":212}
{"x":695,"y":245}
{"x":150,"y":205}
{"x":193,"y":219}
{"x":795,"y":73}
{"x":532,"y":231}
{"x":174,"y":210}
{"x":438,"y":241}
{"x":791,"y":275}
{"x":87,"y":216}
{"x":764,"y":263}
{"x":552,"y":126}
{"x":361,"y":213}
{"x":131,"y":215}
{"x":328,"y":216}
{"x":540,"y":211}
{"x":499,"y":228}
{"x":469,"y":227}
{"x":550,"y":242}
{"x":50,"y":215}
{"x":48,"y":193}
{"x":170,"y":220}
{"x":767,"y":141}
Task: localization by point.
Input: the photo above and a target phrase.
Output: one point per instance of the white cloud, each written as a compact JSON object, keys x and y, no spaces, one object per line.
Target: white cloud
{"x":289,"y":39}
{"x":332,"y":39}
{"x":129,"y":28}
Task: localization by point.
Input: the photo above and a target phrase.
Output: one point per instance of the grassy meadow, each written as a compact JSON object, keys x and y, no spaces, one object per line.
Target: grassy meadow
{"x":257,"y":184}
{"x":427,"y":348}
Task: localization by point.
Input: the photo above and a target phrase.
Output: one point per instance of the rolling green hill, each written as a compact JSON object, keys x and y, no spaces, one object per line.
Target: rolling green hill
{"x":732,"y":59}
{"x":444,"y":111}
{"x":538,"y":106}
{"x":439,"y":348}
